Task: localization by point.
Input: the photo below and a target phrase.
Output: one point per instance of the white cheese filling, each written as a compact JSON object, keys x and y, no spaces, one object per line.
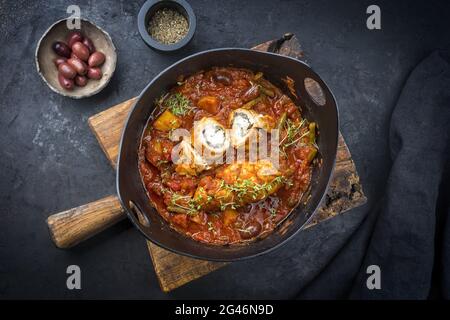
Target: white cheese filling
{"x":214,"y":136}
{"x":241,"y":124}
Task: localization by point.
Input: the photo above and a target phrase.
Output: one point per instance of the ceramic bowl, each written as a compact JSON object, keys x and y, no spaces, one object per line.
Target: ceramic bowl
{"x":46,"y":68}
{"x":147,"y":11}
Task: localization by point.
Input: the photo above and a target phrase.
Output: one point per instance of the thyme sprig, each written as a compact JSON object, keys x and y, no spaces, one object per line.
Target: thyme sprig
{"x":187,"y":205}
{"x":178,"y":104}
{"x":246,"y":187}
{"x":292,"y":131}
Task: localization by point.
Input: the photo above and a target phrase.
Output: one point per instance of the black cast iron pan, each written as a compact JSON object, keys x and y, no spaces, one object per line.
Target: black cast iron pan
{"x":275,"y":67}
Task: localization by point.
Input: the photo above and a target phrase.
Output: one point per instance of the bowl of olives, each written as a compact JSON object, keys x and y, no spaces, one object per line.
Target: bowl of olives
{"x":76,"y":63}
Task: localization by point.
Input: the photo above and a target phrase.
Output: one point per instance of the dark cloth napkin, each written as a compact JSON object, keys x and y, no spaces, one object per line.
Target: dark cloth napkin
{"x":408,"y":235}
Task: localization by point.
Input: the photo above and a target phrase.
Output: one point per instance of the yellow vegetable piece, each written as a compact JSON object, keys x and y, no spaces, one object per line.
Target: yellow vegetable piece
{"x":209,"y":103}
{"x":229,"y":216}
{"x":167,"y":121}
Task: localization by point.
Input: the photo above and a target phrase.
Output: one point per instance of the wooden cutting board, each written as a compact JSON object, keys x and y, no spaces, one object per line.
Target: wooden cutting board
{"x":173,"y":270}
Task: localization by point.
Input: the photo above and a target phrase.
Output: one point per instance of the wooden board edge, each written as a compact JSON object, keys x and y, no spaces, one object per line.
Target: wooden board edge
{"x":155,"y":267}
{"x":170,"y":285}
{"x":102,"y":146}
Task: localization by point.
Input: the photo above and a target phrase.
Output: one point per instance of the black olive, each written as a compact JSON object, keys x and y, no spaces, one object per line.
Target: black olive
{"x":61,"y":49}
{"x":250,"y":230}
{"x":222,"y":77}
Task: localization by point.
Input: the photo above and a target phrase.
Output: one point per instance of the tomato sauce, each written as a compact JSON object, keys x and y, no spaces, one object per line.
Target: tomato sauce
{"x":226,"y":203}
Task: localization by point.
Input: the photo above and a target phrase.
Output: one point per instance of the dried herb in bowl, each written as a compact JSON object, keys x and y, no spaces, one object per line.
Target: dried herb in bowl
{"x":168,"y":26}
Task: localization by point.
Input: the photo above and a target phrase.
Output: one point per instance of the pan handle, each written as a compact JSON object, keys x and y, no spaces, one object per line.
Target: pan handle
{"x":140,"y":220}
{"x":75,"y":225}
{"x":275,"y":46}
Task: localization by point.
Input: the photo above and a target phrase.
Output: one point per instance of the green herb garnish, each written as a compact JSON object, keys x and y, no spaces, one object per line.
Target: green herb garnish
{"x":273,"y":211}
{"x":178,"y":104}
{"x":248,"y":188}
{"x":187,"y":205}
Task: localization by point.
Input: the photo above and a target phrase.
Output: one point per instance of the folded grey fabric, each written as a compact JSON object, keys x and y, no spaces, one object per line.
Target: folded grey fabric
{"x":408,"y":236}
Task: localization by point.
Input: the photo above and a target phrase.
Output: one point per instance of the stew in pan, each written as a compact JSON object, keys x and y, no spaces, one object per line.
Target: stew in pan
{"x":196,"y":159}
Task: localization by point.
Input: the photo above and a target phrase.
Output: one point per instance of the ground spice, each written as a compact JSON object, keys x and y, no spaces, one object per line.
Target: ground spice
{"x":168,"y":26}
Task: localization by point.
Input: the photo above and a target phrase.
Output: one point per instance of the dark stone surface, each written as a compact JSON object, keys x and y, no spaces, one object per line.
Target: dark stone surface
{"x":50,"y":160}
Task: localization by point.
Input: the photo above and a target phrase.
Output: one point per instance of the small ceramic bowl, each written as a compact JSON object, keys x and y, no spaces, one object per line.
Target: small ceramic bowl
{"x":46,"y":68}
{"x":149,"y":9}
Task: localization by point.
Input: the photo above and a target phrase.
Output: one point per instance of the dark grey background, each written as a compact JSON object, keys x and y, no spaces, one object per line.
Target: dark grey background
{"x":50,"y":160}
